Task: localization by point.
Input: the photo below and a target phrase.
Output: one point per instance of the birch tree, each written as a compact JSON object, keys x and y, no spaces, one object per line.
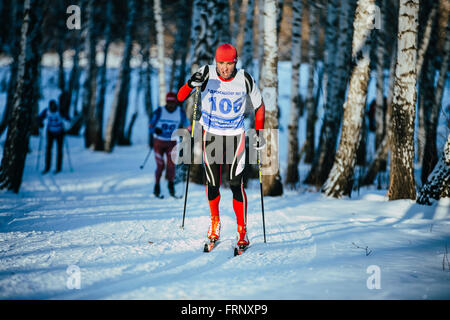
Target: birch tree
{"x":438,"y":182}
{"x":335,"y":94}
{"x":97,"y":133}
{"x":310,"y":101}
{"x":146,"y":58}
{"x":116,"y":120}
{"x":14,"y":39}
{"x":90,"y":82}
{"x":340,"y":180}
{"x":430,"y":157}
{"x":402,"y":184}
{"x":426,"y":60}
{"x":292,"y":174}
{"x":380,"y":100}
{"x":18,"y":135}
{"x":160,"y":49}
{"x":204,"y":39}
{"x":271,"y":183}
{"x":180,"y":50}
{"x":247,"y":49}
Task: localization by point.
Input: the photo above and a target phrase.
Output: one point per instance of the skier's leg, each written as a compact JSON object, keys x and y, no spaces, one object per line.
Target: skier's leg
{"x":237,"y":187}
{"x":159,"y":158}
{"x":213,"y":173}
{"x":59,"y":143}
{"x":48,"y":152}
{"x":240,"y":209}
{"x":170,"y":169}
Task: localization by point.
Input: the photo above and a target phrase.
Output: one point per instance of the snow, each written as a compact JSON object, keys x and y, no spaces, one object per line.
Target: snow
{"x":97,"y":233}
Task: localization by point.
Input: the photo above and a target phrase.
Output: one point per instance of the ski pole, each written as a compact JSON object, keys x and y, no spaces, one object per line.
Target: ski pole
{"x":39,"y":150}
{"x":194,"y":115}
{"x":68,"y":154}
{"x":146,"y":158}
{"x":261,"y":191}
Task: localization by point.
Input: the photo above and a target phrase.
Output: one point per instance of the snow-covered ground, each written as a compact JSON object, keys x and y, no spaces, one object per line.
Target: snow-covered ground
{"x":97,"y":233}
{"x":101,"y":223}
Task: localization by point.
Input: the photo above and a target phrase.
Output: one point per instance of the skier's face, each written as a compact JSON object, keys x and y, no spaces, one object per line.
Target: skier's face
{"x":171,"y":106}
{"x":226,"y":69}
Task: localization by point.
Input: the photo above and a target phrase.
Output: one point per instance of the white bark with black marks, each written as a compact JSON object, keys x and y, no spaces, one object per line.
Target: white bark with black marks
{"x":292,"y":174}
{"x":340,"y":180}
{"x":402,"y":183}
{"x":271,"y":183}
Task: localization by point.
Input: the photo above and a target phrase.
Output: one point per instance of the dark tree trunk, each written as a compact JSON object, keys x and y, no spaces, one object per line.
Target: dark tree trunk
{"x":17,"y":140}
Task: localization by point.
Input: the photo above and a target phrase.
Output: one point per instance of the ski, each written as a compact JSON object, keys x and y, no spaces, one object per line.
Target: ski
{"x":159,"y":196}
{"x":238,"y":250}
{"x":210,"y":245}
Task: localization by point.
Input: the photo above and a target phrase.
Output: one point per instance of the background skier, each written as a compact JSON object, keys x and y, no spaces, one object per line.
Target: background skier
{"x":165,"y":120}
{"x":54,"y":131}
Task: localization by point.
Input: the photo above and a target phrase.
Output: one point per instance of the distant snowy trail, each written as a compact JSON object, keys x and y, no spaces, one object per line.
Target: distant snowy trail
{"x":126,"y":244}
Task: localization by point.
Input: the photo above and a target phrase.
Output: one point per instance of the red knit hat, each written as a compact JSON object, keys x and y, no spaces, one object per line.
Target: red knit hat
{"x":226,"y":53}
{"x":171,"y":97}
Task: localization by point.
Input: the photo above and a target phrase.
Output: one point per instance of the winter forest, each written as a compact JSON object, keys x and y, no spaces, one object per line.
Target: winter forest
{"x":357,"y":95}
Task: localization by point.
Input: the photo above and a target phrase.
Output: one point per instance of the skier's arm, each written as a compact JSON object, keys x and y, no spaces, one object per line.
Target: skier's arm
{"x":41,"y":117}
{"x":184,"y":92}
{"x":154,"y":121}
{"x":198,"y":79}
{"x":259,"y":117}
{"x":257,"y":101}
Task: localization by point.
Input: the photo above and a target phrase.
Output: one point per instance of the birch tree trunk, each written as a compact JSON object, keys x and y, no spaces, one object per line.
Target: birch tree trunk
{"x":160,"y":45}
{"x":402,"y":184}
{"x":430,"y":157}
{"x":18,"y":135}
{"x":181,"y":45}
{"x":203,"y":54}
{"x":426,"y":59}
{"x":236,"y":21}
{"x":272,"y":182}
{"x":380,"y":100}
{"x":146,"y":59}
{"x":335,"y":97}
{"x":309,"y":101}
{"x":260,"y":49}
{"x":74,"y":82}
{"x":223,"y":19}
{"x":247,"y":49}
{"x":116,"y":120}
{"x":330,"y":110}
{"x":90,"y":82}
{"x":15,"y":37}
{"x":438,"y":183}
{"x":98,"y":142}
{"x":292,"y":173}
{"x":380,"y":160}
{"x":340,"y":180}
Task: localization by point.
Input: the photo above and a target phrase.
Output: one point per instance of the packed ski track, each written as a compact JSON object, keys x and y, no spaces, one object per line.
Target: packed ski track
{"x":127,"y":244}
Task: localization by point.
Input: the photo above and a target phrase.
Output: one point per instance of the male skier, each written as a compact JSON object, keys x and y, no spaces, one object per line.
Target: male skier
{"x":224,"y":90}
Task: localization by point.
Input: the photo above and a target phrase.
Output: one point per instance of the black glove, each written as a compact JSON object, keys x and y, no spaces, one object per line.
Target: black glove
{"x":259,"y":141}
{"x":158,"y":131}
{"x":196,"y":80}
